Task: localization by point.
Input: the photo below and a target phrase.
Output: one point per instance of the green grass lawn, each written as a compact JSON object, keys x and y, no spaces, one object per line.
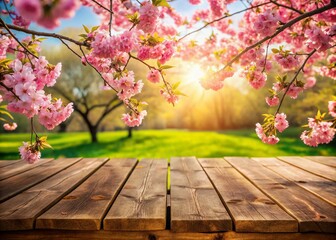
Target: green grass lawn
{"x":165,"y":144}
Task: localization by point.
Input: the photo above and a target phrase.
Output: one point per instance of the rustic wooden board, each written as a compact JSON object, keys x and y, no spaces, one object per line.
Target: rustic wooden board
{"x":321,"y":187}
{"x":19,"y":167}
{"x":20,"y":212}
{"x":311,"y":166}
{"x":326,"y":160}
{"x":4,"y":163}
{"x":313,"y":213}
{"x":84,"y":208}
{"x":160,"y":235}
{"x":16,"y":184}
{"x":141,"y":204}
{"x":251,"y":210}
{"x":195,"y":205}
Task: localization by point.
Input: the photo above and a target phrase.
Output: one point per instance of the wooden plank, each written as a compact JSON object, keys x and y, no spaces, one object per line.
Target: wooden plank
{"x":161,"y":235}
{"x":326,"y":160}
{"x":20,"y":212}
{"x":312,"y":213}
{"x":195,"y":204}
{"x":16,"y":184}
{"x":321,"y":187}
{"x":21,"y":166}
{"x":251,"y":210}
{"x":311,"y":166}
{"x":141,"y":204}
{"x":4,"y":163}
{"x":84,"y":208}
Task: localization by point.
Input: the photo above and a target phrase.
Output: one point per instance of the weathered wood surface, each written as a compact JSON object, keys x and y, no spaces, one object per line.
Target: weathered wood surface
{"x":16,"y":184}
{"x":84,"y":208}
{"x":141,"y":205}
{"x":326,"y":160}
{"x":311,"y":166}
{"x":321,"y":187}
{"x":312,"y":213}
{"x":20,"y":212}
{"x":195,"y":205}
{"x":4,"y":163}
{"x":251,"y":210}
{"x":160,"y":235}
{"x":261,"y":195}
{"x":19,"y":167}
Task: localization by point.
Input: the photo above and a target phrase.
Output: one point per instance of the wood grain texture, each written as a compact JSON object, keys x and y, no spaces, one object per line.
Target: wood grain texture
{"x":195,"y":204}
{"x":19,"y":167}
{"x":141,"y":204}
{"x":321,"y":187}
{"x":312,"y":213}
{"x":16,"y":184}
{"x":84,"y":208}
{"x":326,"y":160}
{"x":251,"y":210}
{"x":311,"y":166}
{"x":4,"y":163}
{"x":20,"y":212}
{"x":160,"y":235}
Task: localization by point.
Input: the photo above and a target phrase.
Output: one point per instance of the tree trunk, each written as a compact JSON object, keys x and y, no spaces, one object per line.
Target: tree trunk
{"x":93,"y":132}
{"x":129,"y":132}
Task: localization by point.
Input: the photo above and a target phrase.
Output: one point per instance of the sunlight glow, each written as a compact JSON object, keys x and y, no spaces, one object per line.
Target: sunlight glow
{"x":194,"y":74}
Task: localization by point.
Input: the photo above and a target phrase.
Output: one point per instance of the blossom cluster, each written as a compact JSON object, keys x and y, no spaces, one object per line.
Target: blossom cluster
{"x":46,"y":13}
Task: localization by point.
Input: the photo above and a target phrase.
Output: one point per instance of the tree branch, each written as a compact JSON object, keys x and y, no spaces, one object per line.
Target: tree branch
{"x":331,"y":5}
{"x":103,"y":7}
{"x":294,"y":78}
{"x":45,"y":34}
{"x":17,"y":40}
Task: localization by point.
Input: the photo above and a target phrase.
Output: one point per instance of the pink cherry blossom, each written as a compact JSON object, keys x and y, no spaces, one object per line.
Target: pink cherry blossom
{"x":287,"y":62}
{"x":195,"y":2}
{"x":265,"y":139}
{"x":272,"y":101}
{"x":294,"y":91}
{"x":29,"y":153}
{"x":332,"y":108}
{"x":317,"y":39}
{"x":310,"y":82}
{"x":280,"y":122}
{"x":266,"y":23}
{"x":320,"y":133}
{"x":134,"y":119}
{"x":30,"y":10}
{"x":148,"y":17}
{"x":10,"y":126}
{"x":153,"y":76}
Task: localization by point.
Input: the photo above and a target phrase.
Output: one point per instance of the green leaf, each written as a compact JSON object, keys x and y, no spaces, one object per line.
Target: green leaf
{"x":176,"y":85}
{"x":274,"y":50}
{"x":162,"y":3}
{"x":2,"y":119}
{"x":166,"y":67}
{"x":178,"y":92}
{"x":4,"y":112}
{"x":87,"y":30}
{"x":94,"y":28}
{"x":83,"y":35}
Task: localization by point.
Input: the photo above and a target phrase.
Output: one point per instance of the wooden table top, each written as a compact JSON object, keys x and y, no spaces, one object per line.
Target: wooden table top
{"x":213,"y":198}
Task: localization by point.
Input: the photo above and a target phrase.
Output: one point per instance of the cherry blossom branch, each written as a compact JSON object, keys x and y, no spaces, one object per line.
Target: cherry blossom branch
{"x":45,"y":34}
{"x":103,"y":7}
{"x":221,"y":18}
{"x":67,"y":45}
{"x":107,"y":83}
{"x":167,"y":84}
{"x":9,"y":90}
{"x":294,"y":78}
{"x":15,"y":38}
{"x":331,"y":5}
{"x":285,"y":6}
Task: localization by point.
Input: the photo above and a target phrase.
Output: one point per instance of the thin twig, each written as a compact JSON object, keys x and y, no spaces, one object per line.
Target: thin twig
{"x":45,"y":34}
{"x":102,"y":6}
{"x":17,"y":40}
{"x":294,"y":78}
{"x":111,"y":14}
{"x":67,"y":45}
{"x":285,"y":6}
